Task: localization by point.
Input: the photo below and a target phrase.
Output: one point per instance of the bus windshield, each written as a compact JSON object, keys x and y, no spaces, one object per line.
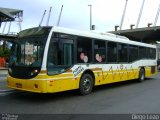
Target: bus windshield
{"x":27,"y":53}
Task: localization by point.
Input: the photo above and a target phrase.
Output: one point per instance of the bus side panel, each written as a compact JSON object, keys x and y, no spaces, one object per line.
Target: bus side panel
{"x":62,"y":82}
{"x":116,"y":76}
{"x":150,"y":71}
{"x":61,"y":85}
{"x":147,"y":71}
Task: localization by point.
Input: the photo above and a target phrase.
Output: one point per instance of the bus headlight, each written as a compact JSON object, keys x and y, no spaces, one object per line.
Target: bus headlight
{"x":34,"y":72}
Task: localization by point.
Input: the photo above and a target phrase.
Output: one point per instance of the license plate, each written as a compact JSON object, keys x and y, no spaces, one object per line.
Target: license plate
{"x":18,"y":85}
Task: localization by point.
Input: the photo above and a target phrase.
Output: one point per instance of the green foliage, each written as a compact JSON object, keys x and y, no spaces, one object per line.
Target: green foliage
{"x":5,"y":52}
{"x":1,"y":52}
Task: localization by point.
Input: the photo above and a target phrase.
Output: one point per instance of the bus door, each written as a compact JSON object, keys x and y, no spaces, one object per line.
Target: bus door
{"x":66,"y":46}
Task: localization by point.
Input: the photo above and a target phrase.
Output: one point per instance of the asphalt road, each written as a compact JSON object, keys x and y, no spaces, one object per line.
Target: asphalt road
{"x":121,"y":98}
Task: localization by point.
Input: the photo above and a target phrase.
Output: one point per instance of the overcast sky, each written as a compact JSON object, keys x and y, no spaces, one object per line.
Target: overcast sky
{"x":105,"y":13}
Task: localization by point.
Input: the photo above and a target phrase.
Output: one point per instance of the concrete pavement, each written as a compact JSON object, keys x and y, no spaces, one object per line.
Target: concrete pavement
{"x":130,"y":97}
{"x":3,"y":82}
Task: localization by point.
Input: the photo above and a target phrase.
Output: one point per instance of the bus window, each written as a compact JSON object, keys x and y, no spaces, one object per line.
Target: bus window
{"x":133,"y":53}
{"x":68,"y":53}
{"x":152,"y":53}
{"x":99,"y":51}
{"x":84,"y":50}
{"x":53,"y":54}
{"x":122,"y":53}
{"x":142,"y":53}
{"x":158,"y":53}
{"x":112,"y":52}
{"x":60,"y":55}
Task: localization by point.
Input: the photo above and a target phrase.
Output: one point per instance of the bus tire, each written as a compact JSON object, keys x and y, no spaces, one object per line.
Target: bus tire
{"x":141,"y":75}
{"x":86,"y":84}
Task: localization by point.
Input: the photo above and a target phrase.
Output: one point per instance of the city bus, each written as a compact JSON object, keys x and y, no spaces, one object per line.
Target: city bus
{"x":55,"y":59}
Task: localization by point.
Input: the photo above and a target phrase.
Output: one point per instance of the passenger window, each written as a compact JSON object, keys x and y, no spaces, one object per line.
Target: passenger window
{"x":142,"y":53}
{"x":133,"y":53}
{"x":99,"y":51}
{"x":152,"y":53}
{"x":84,"y":50}
{"x":112,"y":52}
{"x":122,"y":53}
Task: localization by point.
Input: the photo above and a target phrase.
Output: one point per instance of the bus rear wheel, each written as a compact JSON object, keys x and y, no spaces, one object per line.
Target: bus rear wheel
{"x":86,"y":84}
{"x":141,"y":75}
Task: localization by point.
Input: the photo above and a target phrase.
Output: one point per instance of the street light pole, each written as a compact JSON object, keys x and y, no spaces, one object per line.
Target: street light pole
{"x":90,"y":16}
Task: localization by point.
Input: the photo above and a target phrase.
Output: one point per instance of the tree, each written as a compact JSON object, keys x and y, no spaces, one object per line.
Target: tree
{"x":4,"y":52}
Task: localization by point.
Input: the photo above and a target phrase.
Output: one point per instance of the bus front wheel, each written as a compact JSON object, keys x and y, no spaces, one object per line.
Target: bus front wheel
{"x":86,"y":84}
{"x":141,"y":75}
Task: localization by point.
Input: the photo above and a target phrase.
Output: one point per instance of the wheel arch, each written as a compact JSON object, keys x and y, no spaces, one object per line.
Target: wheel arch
{"x":142,"y":74}
{"x":142,"y":67}
{"x":88,"y":71}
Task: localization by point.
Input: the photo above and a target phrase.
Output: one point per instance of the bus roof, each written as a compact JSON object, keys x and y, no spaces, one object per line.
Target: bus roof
{"x":100,"y":35}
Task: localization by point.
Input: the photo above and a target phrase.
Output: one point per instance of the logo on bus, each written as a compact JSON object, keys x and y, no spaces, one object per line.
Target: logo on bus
{"x":121,"y":66}
{"x":78,"y":70}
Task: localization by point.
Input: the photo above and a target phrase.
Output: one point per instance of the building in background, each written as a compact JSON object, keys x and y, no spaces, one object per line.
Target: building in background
{"x":8,"y":15}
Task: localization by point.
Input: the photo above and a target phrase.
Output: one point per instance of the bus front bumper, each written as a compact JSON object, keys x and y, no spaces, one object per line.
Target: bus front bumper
{"x":38,"y":86}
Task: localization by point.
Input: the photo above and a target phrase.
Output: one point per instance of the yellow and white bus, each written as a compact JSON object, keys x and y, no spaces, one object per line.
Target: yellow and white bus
{"x":54,"y":59}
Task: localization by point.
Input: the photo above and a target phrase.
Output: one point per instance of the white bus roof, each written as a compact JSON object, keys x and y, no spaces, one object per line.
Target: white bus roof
{"x":103,"y":36}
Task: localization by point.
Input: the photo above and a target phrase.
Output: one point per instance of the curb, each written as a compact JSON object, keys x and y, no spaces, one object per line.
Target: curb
{"x":3,"y":81}
{"x":6,"y":91}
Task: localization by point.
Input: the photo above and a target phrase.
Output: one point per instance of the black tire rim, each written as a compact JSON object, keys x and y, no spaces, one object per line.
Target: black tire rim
{"x":86,"y":84}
